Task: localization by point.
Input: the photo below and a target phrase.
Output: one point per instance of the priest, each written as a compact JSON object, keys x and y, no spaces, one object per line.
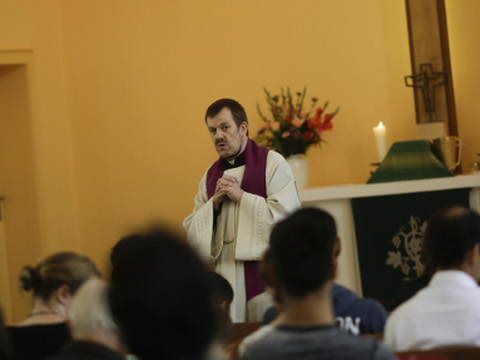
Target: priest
{"x":240,"y":197}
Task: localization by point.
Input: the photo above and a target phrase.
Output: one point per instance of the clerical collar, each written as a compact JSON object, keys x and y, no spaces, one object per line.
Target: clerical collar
{"x":233,"y":163}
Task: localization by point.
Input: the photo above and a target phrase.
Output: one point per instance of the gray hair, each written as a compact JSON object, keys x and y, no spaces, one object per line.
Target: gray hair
{"x":90,"y":311}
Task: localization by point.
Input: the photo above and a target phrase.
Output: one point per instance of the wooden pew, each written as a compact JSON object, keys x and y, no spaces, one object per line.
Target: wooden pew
{"x":239,"y":332}
{"x":442,"y":353}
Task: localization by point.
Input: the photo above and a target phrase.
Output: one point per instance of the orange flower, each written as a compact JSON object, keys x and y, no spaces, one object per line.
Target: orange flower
{"x":275,"y":126}
{"x":297,"y":122}
{"x":286,"y":134}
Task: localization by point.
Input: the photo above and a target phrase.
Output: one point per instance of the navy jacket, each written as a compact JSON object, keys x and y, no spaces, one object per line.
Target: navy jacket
{"x":353,"y":314}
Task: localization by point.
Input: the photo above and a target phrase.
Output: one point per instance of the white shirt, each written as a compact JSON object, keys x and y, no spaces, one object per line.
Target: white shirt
{"x":445,"y":313}
{"x":243,"y":229}
{"x":258,"y":305}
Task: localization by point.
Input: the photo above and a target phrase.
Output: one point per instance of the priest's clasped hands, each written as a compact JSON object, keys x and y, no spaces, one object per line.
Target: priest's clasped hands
{"x":227,"y":186}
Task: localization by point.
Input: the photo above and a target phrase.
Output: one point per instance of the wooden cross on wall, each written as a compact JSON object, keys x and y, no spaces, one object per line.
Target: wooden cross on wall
{"x":428,"y":37}
{"x":427,"y":81}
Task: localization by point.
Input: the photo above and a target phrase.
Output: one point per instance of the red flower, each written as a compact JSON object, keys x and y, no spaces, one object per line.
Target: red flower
{"x":307,"y":135}
{"x":327,"y":126}
{"x":288,"y":118}
{"x":314,"y":122}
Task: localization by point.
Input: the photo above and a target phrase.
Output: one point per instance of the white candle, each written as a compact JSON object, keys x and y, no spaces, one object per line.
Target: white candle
{"x":380,"y":132}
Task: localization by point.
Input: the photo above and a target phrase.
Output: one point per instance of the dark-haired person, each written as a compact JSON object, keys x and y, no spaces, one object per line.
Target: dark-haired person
{"x":222,"y":292}
{"x":53,"y":282}
{"x":240,"y":196}
{"x":447,"y":311}
{"x":353,"y":314}
{"x":161,"y":297}
{"x":304,"y":249}
{"x":222,"y":297}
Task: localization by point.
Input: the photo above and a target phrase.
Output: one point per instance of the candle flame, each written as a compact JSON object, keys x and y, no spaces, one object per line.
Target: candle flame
{"x":380,"y":125}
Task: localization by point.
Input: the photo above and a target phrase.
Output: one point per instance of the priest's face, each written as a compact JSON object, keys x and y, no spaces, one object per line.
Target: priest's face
{"x":229,"y":139}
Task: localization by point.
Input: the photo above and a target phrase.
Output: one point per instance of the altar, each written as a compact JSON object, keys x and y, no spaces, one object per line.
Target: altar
{"x":357,"y":224}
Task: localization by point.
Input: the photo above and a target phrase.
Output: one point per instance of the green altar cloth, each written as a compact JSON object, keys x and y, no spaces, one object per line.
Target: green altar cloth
{"x":410,"y":160}
{"x":389,"y":231}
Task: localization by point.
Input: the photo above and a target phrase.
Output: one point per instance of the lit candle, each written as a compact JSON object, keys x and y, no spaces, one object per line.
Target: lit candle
{"x":380,"y":132}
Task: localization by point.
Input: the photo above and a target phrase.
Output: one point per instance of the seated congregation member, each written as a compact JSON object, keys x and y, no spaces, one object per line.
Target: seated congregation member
{"x":258,"y":305}
{"x":304,"y":249}
{"x":222,"y":297}
{"x":353,"y":314}
{"x":54,"y":281}
{"x":95,"y":334}
{"x":447,"y":311}
{"x":161,"y":297}
{"x":222,"y":291}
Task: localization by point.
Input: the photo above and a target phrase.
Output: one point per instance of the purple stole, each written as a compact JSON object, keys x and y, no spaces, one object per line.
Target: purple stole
{"x":253,"y":182}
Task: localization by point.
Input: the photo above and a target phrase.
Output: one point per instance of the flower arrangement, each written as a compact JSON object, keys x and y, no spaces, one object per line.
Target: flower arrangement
{"x":293,"y":129}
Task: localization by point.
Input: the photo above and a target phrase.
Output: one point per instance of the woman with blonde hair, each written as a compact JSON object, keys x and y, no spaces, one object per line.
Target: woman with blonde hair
{"x":53,"y":283}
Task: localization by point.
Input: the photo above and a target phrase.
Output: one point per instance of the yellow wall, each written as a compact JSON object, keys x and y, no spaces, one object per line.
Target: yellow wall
{"x":140,"y":78}
{"x":30,"y":37}
{"x":34,"y":26}
{"x":119,"y":90}
{"x":463,"y":29}
{"x":20,"y":243}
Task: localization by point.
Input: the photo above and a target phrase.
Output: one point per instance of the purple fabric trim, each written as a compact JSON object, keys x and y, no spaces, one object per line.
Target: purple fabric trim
{"x":254,"y":177}
{"x":214,"y":173}
{"x":253,"y":286}
{"x":253,"y":182}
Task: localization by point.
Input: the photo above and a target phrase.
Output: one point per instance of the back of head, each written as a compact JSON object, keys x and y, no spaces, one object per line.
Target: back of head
{"x":222,"y":297}
{"x":237,"y":110}
{"x":450,"y":233}
{"x":301,"y":249}
{"x":160,"y":297}
{"x":90,"y":313}
{"x":63,"y":268}
{"x":222,"y":290}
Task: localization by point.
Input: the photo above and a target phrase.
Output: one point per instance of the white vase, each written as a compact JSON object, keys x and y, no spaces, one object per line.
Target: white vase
{"x":299,"y":166}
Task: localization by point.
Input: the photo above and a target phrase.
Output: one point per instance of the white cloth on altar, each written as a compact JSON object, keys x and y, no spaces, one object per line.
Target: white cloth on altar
{"x":243,"y":229}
